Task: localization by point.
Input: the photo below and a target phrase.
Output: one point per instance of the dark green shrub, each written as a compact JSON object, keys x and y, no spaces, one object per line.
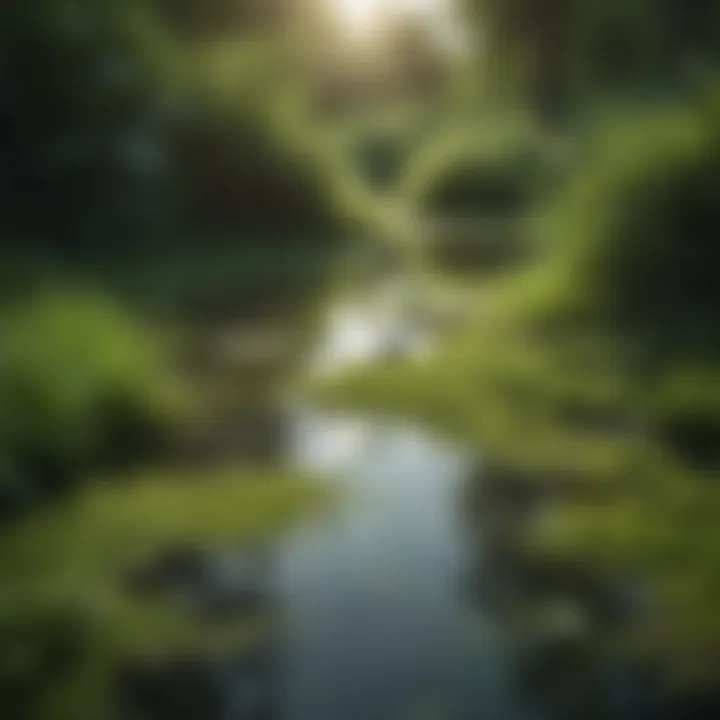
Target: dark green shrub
{"x":117,"y":136}
{"x":474,"y":187}
{"x":81,"y":385}
{"x":49,"y":661}
{"x":381,"y":156}
{"x":197,"y":19}
{"x":236,"y":172}
{"x":637,"y":233}
{"x":684,"y":411}
{"x":473,"y":176}
{"x":79,"y":108}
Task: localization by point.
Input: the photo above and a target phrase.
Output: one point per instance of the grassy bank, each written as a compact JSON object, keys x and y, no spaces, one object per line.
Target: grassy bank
{"x":68,"y":616}
{"x":594,"y":371}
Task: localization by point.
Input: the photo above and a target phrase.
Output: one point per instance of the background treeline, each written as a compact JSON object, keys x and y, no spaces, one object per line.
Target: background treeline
{"x":158,"y":171}
{"x":165,"y":156}
{"x":553,"y":53}
{"x":123,"y":140}
{"x":143,"y":168}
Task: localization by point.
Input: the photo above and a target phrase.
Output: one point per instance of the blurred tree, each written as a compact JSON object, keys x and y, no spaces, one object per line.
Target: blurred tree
{"x":117,"y":135}
{"x":80,"y":116}
{"x":637,"y":231}
{"x":421,"y":62}
{"x":557,"y":51}
{"x":217,"y":18}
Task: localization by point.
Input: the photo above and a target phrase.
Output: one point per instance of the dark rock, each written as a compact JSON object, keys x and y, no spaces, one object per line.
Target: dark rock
{"x":217,"y":585}
{"x":180,"y":567}
{"x":181,"y":689}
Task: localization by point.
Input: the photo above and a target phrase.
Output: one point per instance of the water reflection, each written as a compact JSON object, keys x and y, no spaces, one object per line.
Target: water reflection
{"x":375,"y":623}
{"x":194,"y":688}
{"x":411,"y":597}
{"x":367,"y":330}
{"x":370,"y":620}
{"x":564,"y":615}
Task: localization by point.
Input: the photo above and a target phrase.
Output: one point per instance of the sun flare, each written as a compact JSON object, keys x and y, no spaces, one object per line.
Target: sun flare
{"x":369,"y":19}
{"x":361,"y":17}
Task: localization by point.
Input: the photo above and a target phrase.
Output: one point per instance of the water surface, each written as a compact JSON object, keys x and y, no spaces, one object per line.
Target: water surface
{"x":376,"y":623}
{"x":376,"y":603}
{"x":376,"y":618}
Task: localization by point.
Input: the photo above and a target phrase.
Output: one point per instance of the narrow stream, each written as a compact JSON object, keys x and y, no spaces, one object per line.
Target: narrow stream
{"x":376,"y":620}
{"x":376,"y":599}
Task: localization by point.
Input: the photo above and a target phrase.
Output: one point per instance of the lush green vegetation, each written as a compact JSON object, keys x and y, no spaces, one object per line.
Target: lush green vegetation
{"x":147,"y":182}
{"x":84,"y":386}
{"x":492,"y":168}
{"x":170,"y":155}
{"x":129,"y":150}
{"x":594,"y":370}
{"x":561,"y":59}
{"x":69,"y":617}
{"x":91,"y":394}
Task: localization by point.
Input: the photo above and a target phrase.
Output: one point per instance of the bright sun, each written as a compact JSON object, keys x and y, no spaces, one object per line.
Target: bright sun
{"x":361,"y":17}
{"x":367,"y":17}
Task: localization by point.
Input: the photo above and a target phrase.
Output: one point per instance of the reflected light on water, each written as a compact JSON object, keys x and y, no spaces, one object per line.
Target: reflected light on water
{"x":327,"y":443}
{"x":357,"y":335}
{"x":368,"y":20}
{"x":354,"y":336}
{"x":360,"y":17}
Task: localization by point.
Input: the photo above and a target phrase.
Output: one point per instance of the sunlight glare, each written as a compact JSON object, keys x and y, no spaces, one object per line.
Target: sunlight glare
{"x":367,"y":19}
{"x":361,"y":17}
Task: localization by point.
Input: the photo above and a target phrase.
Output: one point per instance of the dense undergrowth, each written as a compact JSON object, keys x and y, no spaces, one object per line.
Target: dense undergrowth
{"x":95,"y":417}
{"x":165,"y":154}
{"x":69,"y":619}
{"x":594,"y":370}
{"x":491,"y":168}
{"x":133,"y":153}
{"x":84,"y":386}
{"x":148,"y":180}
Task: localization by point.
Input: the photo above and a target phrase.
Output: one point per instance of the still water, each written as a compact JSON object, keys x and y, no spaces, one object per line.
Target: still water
{"x":377,"y":623}
{"x":375,"y":618}
{"x":376,"y":604}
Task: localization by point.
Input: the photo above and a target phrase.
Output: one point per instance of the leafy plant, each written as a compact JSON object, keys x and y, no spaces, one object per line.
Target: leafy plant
{"x":82,"y":384}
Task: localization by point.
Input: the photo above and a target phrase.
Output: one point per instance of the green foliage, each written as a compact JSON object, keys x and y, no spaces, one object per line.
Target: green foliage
{"x":80,"y":118}
{"x":666,"y":535}
{"x":685,"y":414}
{"x":46,"y":662}
{"x":67,"y":619}
{"x":478,"y":172}
{"x":637,"y":231}
{"x":381,"y":155}
{"x":197,"y":19}
{"x":557,"y":55}
{"x":597,"y":370}
{"x":476,"y":187}
{"x":234,"y":173}
{"x":82,"y":385}
{"x":121,"y":139}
